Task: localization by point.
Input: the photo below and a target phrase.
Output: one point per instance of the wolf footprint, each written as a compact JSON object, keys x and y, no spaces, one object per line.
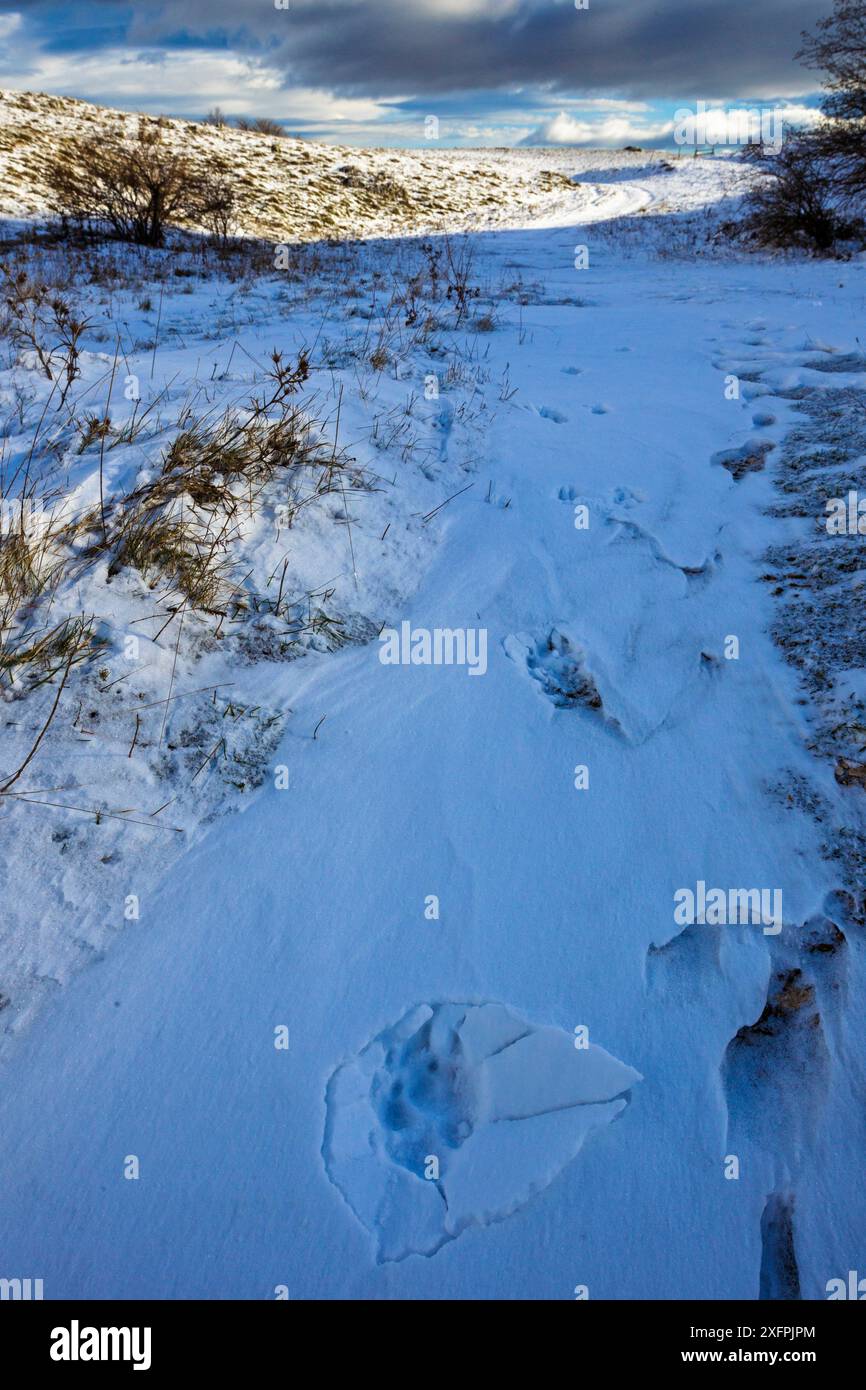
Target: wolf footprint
{"x":559,"y":665}
{"x":457,"y":1115}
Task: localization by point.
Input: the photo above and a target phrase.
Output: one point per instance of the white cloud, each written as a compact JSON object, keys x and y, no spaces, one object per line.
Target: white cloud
{"x":563,"y":129}
{"x":737,"y":125}
{"x":701,"y":125}
{"x":469,"y":9}
{"x":606,"y":104}
{"x":186,"y":82}
{"x":800,"y":115}
{"x":9,"y":23}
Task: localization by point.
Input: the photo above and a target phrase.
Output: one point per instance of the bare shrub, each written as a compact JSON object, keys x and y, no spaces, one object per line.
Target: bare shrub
{"x":797,"y":205}
{"x":814,"y":194}
{"x":838,"y":48}
{"x":261,"y":125}
{"x":459,"y":259}
{"x":218,"y":206}
{"x":39,"y":319}
{"x":136,"y":187}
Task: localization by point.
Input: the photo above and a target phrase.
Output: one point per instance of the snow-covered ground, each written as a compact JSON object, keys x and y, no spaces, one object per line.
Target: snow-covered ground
{"x":428,"y":1019}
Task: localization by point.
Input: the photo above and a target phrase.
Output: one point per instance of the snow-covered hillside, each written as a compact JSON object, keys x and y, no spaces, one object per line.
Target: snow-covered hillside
{"x":298,"y":190}
{"x":335,"y":970}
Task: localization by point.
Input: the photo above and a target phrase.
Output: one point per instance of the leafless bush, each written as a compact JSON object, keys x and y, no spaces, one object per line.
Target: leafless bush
{"x":136,"y":187}
{"x":37,"y":318}
{"x":838,"y":48}
{"x":261,"y":125}
{"x":218,"y":205}
{"x":813,"y":195}
{"x":798,"y":203}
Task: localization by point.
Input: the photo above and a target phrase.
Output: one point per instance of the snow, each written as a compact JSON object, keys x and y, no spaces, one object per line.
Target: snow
{"x":472,"y":1102}
{"x":605,"y":1166}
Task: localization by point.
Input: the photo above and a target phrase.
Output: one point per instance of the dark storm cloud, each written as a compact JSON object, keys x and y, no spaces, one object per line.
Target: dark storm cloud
{"x":634,"y":48}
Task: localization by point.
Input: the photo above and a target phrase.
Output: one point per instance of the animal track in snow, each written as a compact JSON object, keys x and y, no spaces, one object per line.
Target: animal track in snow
{"x":686,"y":965}
{"x":625,"y":497}
{"x":456,"y":1116}
{"x":548,"y":413}
{"x":780,"y":1276}
{"x":776,"y":1070}
{"x":631,"y":530}
{"x":619,"y":496}
{"x":559,"y":665}
{"x":749,"y":458}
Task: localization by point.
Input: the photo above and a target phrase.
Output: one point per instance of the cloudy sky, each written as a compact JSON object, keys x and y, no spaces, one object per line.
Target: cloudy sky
{"x":495,"y":72}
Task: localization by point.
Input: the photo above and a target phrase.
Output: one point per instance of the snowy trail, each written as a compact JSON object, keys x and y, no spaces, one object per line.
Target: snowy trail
{"x":597,"y":202}
{"x":612,"y":200}
{"x":556,"y":903}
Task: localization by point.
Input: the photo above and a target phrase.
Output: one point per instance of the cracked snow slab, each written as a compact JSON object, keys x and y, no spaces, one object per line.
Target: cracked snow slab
{"x":459,"y":1114}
